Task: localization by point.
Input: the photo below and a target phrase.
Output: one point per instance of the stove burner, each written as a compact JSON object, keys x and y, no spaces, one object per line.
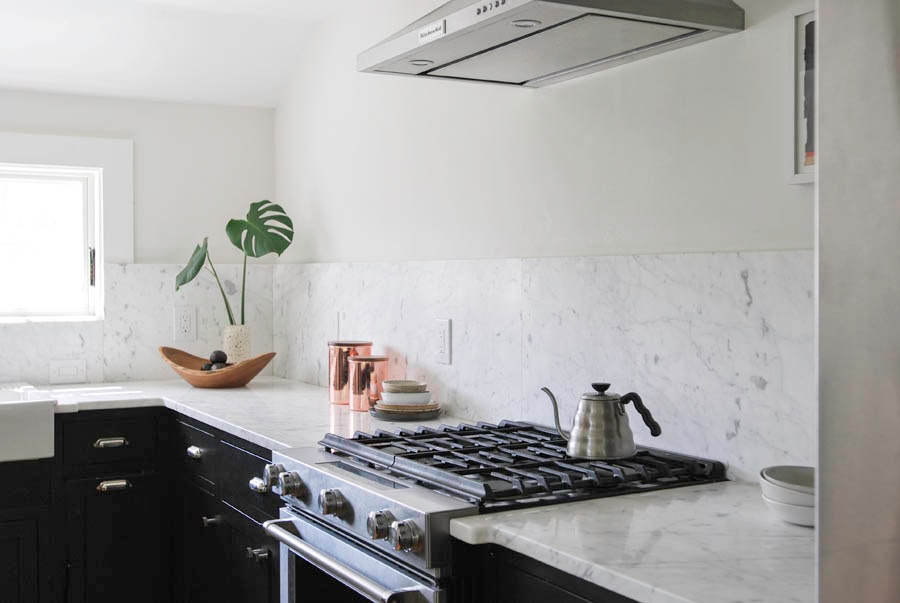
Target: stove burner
{"x":514,"y":464}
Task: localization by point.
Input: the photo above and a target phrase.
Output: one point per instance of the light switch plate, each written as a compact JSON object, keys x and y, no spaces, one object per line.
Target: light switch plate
{"x":444,"y":341}
{"x":72,"y":370}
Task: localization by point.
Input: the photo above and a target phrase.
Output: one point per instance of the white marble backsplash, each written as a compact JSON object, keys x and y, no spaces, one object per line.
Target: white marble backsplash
{"x":720,"y":346}
{"x":138,"y":319}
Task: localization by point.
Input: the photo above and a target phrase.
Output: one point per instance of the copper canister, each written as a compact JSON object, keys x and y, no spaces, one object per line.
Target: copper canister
{"x":339,"y":354}
{"x":366,"y":376}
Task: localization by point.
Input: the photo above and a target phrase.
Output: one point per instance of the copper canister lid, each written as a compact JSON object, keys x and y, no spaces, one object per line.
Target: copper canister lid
{"x":368,"y":359}
{"x":347,"y":344}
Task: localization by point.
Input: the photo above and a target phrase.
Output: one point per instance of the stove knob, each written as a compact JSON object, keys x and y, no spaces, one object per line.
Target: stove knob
{"x":271,"y":473}
{"x":405,"y":535}
{"x":378,"y":524}
{"x":331,"y":502}
{"x":289,"y":484}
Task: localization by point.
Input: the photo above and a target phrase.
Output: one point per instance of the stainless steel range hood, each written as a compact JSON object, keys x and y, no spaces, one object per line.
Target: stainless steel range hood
{"x":536,"y":43}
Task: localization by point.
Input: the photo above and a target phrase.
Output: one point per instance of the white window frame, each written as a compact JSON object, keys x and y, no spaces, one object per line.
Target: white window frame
{"x":113,"y":160}
{"x":92,"y":186}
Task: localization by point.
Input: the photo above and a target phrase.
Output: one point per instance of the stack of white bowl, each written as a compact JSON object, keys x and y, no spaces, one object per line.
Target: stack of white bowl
{"x":790,"y":492}
{"x":406,"y":397}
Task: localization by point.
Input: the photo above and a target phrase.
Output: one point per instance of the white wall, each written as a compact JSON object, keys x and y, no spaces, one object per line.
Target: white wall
{"x":680,"y":152}
{"x":195,"y":166}
{"x":859,"y":332}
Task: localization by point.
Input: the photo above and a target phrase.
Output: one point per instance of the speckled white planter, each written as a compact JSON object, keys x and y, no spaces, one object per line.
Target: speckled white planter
{"x":236,"y":342}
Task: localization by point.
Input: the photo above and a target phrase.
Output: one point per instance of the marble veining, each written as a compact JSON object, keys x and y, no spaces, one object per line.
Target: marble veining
{"x":715,"y":543}
{"x":720,"y":345}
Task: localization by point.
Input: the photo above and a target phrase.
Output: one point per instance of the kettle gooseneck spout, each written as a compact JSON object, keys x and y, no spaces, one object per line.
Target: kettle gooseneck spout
{"x":555,"y":413}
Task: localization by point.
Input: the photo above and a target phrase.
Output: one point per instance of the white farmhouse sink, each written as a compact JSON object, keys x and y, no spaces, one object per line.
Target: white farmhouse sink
{"x":26,"y":428}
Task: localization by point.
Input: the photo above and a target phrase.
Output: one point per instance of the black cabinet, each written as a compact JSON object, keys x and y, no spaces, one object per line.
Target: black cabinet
{"x":509,"y":577}
{"x":201,"y":547}
{"x":27,"y":563}
{"x":116,"y":540}
{"x":20,"y":566}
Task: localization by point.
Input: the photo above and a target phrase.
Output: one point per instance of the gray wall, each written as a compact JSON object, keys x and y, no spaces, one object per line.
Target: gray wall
{"x":859,"y":307}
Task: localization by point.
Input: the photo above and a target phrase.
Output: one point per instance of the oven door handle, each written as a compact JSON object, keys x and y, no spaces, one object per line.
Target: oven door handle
{"x":283,"y":531}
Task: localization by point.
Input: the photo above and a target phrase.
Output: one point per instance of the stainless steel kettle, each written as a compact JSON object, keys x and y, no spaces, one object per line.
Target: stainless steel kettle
{"x":601,"y":429}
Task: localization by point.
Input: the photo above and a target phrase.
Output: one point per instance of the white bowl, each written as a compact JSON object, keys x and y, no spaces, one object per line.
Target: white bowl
{"x":406,"y":398}
{"x":792,"y":477}
{"x":795,"y":514}
{"x":404,"y":386}
{"x":789,"y":496}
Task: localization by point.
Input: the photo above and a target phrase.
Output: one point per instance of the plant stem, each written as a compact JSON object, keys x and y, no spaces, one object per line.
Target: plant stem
{"x":221,"y":290}
{"x":243,"y":288}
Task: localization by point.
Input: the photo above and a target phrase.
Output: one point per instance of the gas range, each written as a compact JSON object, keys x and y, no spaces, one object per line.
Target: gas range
{"x":388,"y":498}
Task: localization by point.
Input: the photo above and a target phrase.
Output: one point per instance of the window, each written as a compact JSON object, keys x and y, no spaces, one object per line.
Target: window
{"x":50,"y":234}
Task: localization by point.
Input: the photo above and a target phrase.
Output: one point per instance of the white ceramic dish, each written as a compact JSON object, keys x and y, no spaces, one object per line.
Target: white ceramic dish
{"x":795,"y":514}
{"x":406,"y":398}
{"x":789,"y":496}
{"x":792,"y":477}
{"x":403,"y":386}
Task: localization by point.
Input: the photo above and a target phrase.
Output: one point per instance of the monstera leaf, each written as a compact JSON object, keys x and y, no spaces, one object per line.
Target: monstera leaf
{"x":194,"y":266}
{"x":266,"y":230}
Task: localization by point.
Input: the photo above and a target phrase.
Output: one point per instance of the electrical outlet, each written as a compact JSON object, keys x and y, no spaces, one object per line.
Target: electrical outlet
{"x":68,"y":371}
{"x":444,"y":341}
{"x":184,"y":320}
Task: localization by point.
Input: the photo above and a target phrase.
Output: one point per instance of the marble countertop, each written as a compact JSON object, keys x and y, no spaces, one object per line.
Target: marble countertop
{"x":271,"y":412}
{"x":715,"y":543}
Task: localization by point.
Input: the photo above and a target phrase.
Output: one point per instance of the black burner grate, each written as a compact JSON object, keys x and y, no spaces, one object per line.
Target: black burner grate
{"x":516,"y":464}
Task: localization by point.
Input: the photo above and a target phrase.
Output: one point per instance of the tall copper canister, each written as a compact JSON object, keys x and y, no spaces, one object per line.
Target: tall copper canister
{"x":366,"y":376}
{"x":339,"y":354}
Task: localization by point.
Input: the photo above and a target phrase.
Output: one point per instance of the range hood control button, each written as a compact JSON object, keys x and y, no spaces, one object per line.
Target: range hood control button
{"x":331,"y":502}
{"x":289,"y":484}
{"x":378,"y":524}
{"x":405,"y":535}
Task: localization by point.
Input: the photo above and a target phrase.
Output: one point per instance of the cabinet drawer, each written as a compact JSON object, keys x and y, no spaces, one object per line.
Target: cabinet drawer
{"x":239,"y":467}
{"x":110,"y":440}
{"x":196,"y":455}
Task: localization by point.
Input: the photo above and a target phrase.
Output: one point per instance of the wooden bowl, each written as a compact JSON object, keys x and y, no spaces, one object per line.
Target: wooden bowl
{"x":237,"y":375}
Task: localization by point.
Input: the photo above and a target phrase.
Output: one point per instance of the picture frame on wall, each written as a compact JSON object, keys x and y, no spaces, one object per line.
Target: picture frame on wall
{"x":803,"y":96}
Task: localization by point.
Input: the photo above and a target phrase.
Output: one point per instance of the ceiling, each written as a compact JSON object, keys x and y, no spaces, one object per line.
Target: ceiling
{"x":233,"y":52}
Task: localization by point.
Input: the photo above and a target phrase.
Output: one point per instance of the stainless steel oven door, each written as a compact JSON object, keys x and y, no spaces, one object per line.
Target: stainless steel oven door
{"x":347,"y":562}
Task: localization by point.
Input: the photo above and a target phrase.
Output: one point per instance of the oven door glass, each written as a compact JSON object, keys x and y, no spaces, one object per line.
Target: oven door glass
{"x":319,"y":565}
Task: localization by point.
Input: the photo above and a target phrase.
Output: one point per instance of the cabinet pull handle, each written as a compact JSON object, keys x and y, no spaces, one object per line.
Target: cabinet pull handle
{"x":118,"y":442}
{"x":114,"y":485}
{"x":258,"y":555}
{"x":195,"y":452}
{"x":209,"y":522}
{"x":258,"y":485}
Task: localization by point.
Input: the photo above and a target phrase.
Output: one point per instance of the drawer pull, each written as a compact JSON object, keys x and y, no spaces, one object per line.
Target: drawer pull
{"x":258,"y":555}
{"x":209,"y":522}
{"x":115,"y":485}
{"x":111,"y":442}
{"x":195,"y":452}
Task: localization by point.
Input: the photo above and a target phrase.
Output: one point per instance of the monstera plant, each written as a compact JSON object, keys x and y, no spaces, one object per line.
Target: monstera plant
{"x":266,"y":229}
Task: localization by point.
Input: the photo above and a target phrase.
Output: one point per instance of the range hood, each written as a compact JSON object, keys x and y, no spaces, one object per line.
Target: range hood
{"x":537,"y":43}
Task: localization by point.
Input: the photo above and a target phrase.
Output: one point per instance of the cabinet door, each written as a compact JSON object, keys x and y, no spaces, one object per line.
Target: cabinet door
{"x":118,"y":537}
{"x":201,"y":541}
{"x":253,"y":562}
{"x":19,"y":561}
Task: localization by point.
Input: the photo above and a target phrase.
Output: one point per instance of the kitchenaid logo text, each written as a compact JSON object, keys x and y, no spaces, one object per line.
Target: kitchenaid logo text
{"x":435,"y":30}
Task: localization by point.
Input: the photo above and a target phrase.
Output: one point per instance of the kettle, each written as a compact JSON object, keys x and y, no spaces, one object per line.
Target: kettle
{"x":601,"y":429}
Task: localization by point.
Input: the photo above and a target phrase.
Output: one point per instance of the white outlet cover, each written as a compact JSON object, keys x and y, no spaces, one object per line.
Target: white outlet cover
{"x":444,"y":342}
{"x":184,"y":323}
{"x":68,"y":371}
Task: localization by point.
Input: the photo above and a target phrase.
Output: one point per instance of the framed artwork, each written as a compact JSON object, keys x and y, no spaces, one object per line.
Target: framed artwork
{"x":803,"y":97}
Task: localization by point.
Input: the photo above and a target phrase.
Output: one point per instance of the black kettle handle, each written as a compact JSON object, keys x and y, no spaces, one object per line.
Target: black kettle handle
{"x":655,"y":429}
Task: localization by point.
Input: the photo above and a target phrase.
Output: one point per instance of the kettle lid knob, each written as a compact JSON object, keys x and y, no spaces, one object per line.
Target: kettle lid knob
{"x":600,"y":388}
